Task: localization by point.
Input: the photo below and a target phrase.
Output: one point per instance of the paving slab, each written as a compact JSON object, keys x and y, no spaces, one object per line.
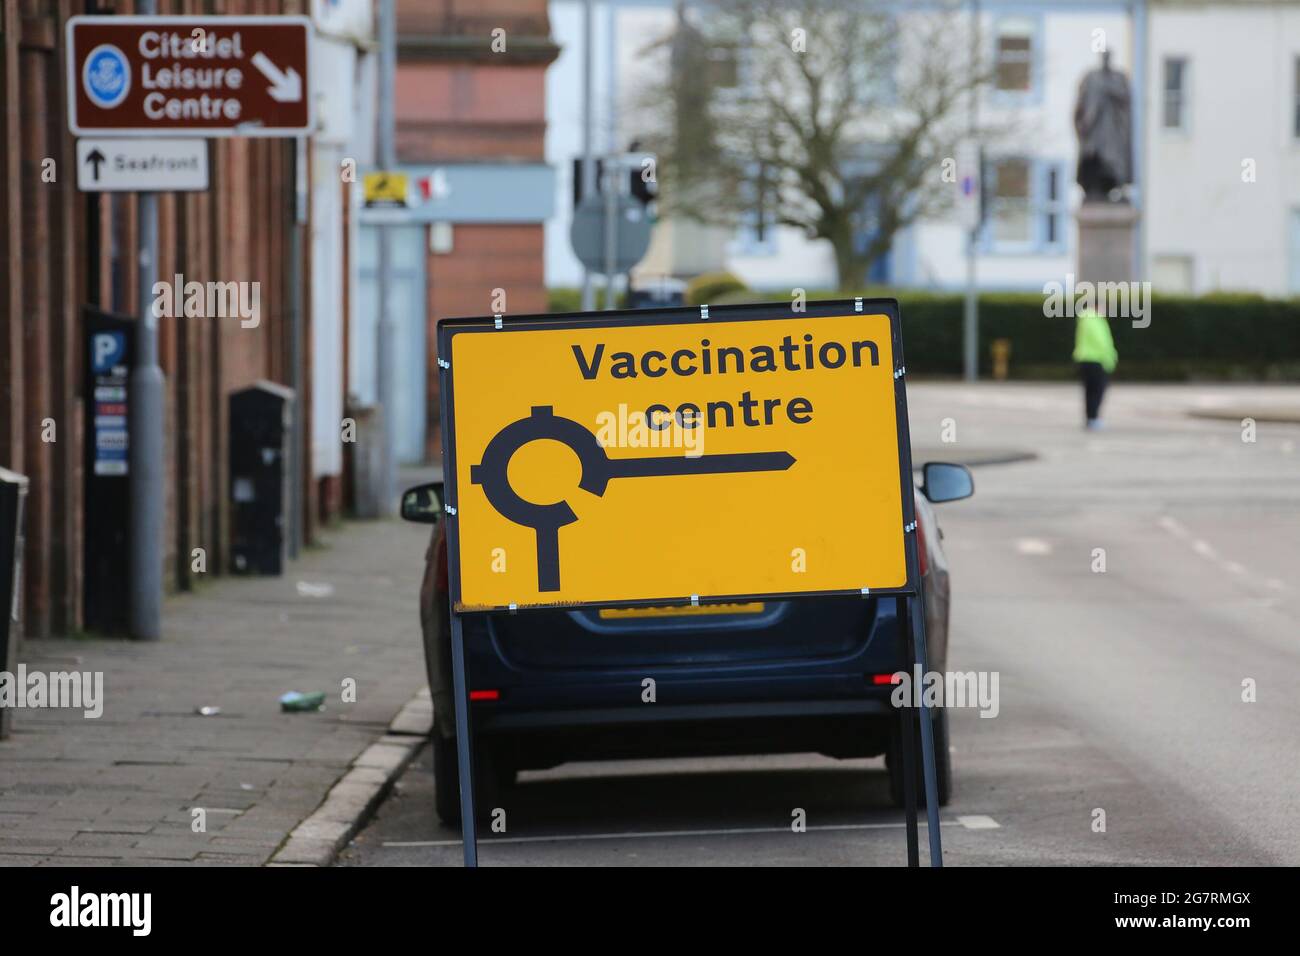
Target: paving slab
{"x":123,"y":787}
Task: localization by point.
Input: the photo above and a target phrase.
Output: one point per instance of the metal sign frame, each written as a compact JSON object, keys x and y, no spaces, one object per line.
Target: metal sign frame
{"x":181,"y":21}
{"x":912,"y":612}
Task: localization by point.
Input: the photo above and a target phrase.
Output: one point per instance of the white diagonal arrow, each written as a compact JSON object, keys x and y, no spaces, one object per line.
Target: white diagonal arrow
{"x":286,"y":86}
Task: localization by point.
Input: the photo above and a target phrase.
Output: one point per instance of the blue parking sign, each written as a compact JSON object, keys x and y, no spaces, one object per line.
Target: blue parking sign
{"x":107,"y":349}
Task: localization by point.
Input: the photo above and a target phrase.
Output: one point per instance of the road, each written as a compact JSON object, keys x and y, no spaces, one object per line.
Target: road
{"x":1120,"y":690}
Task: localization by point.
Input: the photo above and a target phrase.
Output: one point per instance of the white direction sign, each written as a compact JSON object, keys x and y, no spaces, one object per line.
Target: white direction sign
{"x":142,"y":165}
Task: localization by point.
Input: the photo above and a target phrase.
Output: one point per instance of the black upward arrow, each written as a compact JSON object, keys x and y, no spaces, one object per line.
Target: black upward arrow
{"x":95,"y":158}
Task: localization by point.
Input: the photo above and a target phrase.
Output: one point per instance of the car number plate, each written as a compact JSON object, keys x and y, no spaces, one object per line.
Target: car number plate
{"x":684,"y":610}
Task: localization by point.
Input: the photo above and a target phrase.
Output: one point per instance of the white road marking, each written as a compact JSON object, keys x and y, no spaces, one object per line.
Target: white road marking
{"x":975,"y":822}
{"x":1207,"y":551}
{"x":1173,"y":527}
{"x":1033,"y":546}
{"x":979,"y":822}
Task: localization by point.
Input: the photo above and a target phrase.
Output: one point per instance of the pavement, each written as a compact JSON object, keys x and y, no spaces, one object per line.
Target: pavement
{"x":1121,"y":689}
{"x":123,"y":789}
{"x":1126,"y":585}
{"x":1287,"y":414}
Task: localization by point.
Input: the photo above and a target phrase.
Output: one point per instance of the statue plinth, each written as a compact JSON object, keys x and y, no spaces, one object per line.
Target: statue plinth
{"x":1107,"y":241}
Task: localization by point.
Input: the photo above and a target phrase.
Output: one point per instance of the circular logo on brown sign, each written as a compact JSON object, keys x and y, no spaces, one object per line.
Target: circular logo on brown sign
{"x":106,"y":76}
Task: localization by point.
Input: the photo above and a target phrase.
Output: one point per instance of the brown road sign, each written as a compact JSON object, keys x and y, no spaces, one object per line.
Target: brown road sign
{"x":191,"y":76}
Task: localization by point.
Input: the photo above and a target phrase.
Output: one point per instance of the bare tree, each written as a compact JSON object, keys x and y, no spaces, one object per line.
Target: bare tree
{"x":832,"y":116}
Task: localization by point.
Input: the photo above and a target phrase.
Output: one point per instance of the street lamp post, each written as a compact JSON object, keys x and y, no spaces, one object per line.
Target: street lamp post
{"x":970,"y":312}
{"x":146,"y":387}
{"x":386,"y":380}
{"x":588,"y":161}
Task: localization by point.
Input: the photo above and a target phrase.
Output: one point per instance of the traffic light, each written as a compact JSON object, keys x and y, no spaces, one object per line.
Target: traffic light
{"x":641,"y":180}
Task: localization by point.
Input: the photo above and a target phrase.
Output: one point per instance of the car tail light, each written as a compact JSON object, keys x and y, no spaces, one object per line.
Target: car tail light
{"x":880,"y":679}
{"x":485,"y":695}
{"x":922,"y":557}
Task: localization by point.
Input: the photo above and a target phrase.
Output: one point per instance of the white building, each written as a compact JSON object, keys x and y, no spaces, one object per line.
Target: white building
{"x":1223,"y":147}
{"x":1216,"y":108}
{"x":344,"y":32}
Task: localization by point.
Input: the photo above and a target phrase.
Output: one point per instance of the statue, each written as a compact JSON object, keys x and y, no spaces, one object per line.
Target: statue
{"x":1103,"y":123}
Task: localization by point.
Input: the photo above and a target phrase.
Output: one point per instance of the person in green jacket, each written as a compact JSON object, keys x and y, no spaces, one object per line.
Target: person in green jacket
{"x":1094,"y":353}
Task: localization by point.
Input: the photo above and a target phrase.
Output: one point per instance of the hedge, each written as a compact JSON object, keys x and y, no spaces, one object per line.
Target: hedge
{"x":1221,"y":337}
{"x":706,"y":288}
{"x":1215,"y":337}
{"x":569,"y":299}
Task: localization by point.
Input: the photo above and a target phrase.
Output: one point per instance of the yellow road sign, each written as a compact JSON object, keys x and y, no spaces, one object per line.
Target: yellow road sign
{"x":625,"y":458}
{"x":385,"y":188}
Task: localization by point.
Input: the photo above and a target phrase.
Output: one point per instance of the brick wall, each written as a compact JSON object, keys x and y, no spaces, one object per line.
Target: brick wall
{"x":56,"y":256}
{"x":458,"y":101}
{"x":460,"y":283}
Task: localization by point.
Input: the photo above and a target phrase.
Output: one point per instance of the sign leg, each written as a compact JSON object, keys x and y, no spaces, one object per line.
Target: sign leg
{"x":907,"y":753}
{"x":464,"y":741}
{"x":916,"y":615}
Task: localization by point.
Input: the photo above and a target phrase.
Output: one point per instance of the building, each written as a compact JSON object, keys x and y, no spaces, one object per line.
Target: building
{"x":1223,"y":147}
{"x":1216,"y":114}
{"x":344,"y":59}
{"x":67,"y":256}
{"x":471,"y":126}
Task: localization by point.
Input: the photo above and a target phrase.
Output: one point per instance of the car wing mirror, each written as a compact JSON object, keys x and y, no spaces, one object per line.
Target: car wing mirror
{"x":423,"y":503}
{"x":942,"y":481}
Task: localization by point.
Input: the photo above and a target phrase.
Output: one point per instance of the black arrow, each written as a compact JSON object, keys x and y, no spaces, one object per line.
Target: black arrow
{"x":95,"y":158}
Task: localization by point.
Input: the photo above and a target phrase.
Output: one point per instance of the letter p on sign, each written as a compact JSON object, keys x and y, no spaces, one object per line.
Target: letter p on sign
{"x":107,"y":349}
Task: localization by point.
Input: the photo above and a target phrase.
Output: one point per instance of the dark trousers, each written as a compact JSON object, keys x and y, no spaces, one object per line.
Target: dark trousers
{"x":1095,"y":379}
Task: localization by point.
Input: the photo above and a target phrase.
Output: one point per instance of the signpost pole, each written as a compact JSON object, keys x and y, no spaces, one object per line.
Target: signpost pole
{"x":970,"y":310}
{"x":146,"y":433}
{"x":299,"y":208}
{"x":611,"y":230}
{"x":916,"y":627}
{"x":588,"y":162}
{"x":386,"y":329}
{"x":464,"y":738}
{"x":613,"y":169}
{"x":907,"y":754}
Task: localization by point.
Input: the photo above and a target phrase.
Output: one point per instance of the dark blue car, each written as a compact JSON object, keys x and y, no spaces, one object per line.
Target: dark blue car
{"x":793,"y":676}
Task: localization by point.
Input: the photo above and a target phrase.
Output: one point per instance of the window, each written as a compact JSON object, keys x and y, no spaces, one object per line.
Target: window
{"x":1295,"y":96}
{"x":1015,"y":54}
{"x":1052,"y":208}
{"x":1175,"y":90}
{"x":726,"y":67}
{"x":1011,"y":202}
{"x":1027,"y":206}
{"x":1172,"y":274}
